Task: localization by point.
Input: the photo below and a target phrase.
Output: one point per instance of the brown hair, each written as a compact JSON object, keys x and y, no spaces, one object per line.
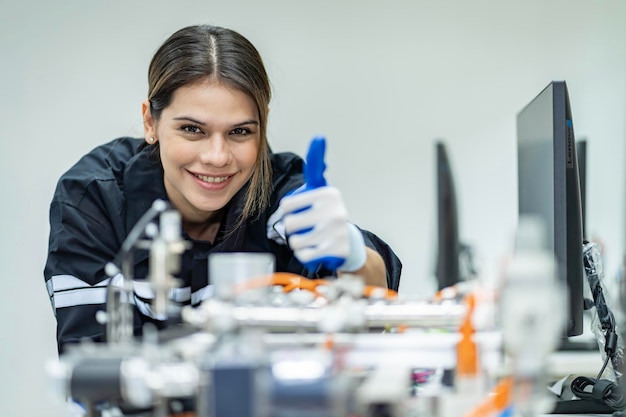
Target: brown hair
{"x":201,"y":51}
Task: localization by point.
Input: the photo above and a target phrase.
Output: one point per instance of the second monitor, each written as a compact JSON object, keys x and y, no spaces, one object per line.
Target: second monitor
{"x":549,"y":186}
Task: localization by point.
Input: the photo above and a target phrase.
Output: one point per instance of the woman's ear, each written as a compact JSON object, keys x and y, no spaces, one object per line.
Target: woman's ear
{"x":149,"y":124}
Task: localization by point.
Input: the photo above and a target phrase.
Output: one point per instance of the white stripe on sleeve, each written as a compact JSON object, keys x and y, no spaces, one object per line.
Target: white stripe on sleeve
{"x":202,"y":294}
{"x":69,"y":291}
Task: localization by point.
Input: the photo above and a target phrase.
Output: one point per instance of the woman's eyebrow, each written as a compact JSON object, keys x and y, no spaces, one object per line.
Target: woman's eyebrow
{"x":247,"y":122}
{"x":198,"y":122}
{"x":190,"y":119}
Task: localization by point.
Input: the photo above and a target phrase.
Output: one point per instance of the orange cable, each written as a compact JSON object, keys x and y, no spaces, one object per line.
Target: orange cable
{"x":467,"y":351}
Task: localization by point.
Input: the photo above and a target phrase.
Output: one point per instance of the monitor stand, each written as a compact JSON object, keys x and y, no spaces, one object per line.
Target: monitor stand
{"x":572,"y":344}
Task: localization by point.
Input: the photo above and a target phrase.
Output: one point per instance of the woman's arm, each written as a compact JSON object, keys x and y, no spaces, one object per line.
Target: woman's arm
{"x":374,"y":271}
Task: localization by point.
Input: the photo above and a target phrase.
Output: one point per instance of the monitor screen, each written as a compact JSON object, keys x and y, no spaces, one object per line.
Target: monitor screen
{"x":548,"y":186}
{"x":447,"y":263}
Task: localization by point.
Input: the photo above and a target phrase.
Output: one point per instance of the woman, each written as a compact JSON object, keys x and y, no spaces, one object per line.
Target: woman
{"x":205,"y":151}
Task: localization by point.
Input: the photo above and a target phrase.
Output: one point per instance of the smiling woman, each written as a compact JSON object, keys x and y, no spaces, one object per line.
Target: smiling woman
{"x":205,"y":151}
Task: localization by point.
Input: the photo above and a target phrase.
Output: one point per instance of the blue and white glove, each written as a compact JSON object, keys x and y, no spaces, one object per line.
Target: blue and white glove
{"x":316,"y":220}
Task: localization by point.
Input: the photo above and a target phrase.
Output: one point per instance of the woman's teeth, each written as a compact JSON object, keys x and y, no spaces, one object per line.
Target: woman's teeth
{"x":211,"y":179}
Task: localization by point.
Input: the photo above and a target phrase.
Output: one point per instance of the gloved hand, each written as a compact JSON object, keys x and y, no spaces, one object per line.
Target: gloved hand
{"x":316,"y":221}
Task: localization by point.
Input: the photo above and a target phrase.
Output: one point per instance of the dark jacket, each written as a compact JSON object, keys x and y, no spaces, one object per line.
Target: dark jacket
{"x":99,"y":200}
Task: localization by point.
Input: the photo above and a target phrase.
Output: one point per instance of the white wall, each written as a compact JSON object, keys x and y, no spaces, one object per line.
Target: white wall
{"x":381,"y":79}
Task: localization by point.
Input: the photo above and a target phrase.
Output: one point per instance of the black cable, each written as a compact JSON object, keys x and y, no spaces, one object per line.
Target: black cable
{"x":602,"y":391}
{"x":606,"y":362}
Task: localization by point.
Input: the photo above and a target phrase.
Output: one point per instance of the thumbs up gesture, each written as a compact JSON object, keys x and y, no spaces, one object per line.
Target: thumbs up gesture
{"x":316,"y":220}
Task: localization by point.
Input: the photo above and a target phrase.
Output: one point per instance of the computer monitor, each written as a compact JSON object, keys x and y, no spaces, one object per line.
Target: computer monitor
{"x":548,"y":186}
{"x":447,"y":258}
{"x":581,"y":156}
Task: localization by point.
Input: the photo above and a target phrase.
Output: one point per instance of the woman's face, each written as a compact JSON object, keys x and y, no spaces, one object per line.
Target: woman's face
{"x":209,"y":141}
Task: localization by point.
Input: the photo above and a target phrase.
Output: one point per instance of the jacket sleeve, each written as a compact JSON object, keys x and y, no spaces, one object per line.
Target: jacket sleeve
{"x":83,"y":238}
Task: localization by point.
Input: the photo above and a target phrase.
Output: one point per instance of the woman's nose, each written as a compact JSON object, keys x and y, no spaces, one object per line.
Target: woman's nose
{"x":215,"y":151}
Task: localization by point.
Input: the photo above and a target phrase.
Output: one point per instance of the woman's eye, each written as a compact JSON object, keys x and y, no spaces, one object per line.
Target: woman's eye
{"x":240,"y":131}
{"x":191,"y":129}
